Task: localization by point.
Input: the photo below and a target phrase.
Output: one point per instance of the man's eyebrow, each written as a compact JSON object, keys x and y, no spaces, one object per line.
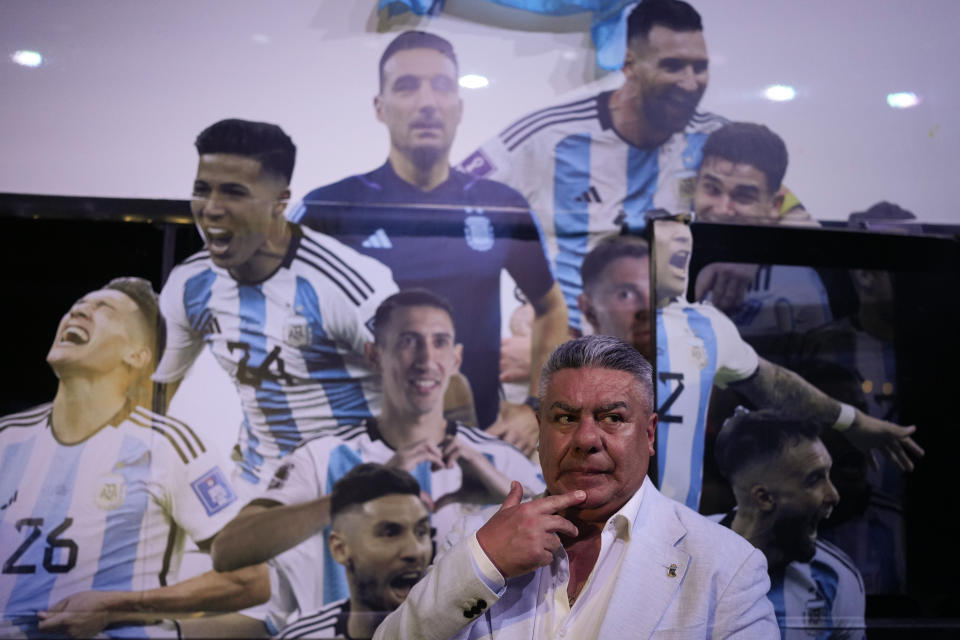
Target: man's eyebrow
{"x":565,"y":407}
{"x":619,"y":404}
{"x":745,"y":189}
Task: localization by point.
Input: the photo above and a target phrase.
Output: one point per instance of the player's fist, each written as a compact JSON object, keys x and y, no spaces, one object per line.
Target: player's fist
{"x":520,"y":537}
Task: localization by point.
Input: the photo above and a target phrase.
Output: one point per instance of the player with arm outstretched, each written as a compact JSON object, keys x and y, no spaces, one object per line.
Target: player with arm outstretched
{"x":698,"y":347}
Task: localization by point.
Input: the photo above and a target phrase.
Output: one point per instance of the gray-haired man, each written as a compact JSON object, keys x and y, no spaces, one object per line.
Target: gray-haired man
{"x":603,"y":554}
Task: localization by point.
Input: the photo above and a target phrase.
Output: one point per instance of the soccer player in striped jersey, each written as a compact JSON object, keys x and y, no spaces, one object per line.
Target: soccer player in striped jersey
{"x":286,"y":311}
{"x":457,"y":467}
{"x":740,"y":182}
{"x":698,"y":347}
{"x":380,"y":532}
{"x":98,"y":494}
{"x":589,"y":166}
{"x":780,"y":473}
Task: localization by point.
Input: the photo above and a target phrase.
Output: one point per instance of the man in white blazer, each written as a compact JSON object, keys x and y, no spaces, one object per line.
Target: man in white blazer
{"x":603,"y":554}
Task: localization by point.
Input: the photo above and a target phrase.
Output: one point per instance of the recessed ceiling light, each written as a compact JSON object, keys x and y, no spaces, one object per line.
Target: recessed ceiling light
{"x":903,"y":99}
{"x":27,"y":58}
{"x":473,"y":81}
{"x":780,"y":93}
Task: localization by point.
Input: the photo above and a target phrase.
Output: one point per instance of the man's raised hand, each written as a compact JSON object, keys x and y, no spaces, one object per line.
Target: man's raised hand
{"x":520,"y":537}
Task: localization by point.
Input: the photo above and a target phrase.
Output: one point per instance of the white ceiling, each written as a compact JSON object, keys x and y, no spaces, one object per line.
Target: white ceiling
{"x":126,"y":86}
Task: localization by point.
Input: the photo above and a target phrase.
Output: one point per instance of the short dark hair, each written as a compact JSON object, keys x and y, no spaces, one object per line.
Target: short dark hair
{"x":417,"y":40}
{"x":606,"y":251}
{"x":264,"y":142}
{"x":749,"y":436}
{"x":414,"y":297}
{"x":369,"y":481}
{"x":675,"y":15}
{"x":753,"y":144}
{"x":602,"y":352}
{"x":143,"y":295}
{"x":881,"y":212}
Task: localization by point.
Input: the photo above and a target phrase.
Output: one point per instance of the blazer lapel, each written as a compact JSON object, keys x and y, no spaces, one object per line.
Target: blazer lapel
{"x":651,"y":573}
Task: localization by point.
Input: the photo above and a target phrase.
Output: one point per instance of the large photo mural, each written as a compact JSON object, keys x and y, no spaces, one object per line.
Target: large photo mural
{"x":373,"y":353}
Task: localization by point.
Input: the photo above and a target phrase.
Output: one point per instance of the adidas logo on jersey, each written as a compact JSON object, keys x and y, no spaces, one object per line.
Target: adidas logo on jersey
{"x":378,"y":240}
{"x":590,"y":195}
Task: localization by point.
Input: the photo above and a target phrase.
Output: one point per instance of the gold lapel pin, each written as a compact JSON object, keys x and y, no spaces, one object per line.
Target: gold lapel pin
{"x":672,"y":571}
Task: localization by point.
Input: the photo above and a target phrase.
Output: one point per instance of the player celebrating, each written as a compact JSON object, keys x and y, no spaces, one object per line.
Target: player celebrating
{"x":456,"y":466}
{"x":380,"y":531}
{"x":699,"y":347}
{"x":285,"y":310}
{"x":589,"y":166}
{"x":443,"y":230}
{"x":97,"y":492}
{"x":780,"y":474}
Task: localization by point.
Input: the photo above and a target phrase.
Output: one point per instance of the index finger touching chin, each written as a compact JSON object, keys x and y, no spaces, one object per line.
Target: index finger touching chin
{"x":553,"y":504}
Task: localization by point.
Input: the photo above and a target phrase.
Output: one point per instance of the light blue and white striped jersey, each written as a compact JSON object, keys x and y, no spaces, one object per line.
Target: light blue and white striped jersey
{"x":583,"y":180}
{"x":697,"y":347}
{"x":293,"y":344}
{"x":312,"y":470}
{"x":108,"y":513}
{"x":822,"y":599}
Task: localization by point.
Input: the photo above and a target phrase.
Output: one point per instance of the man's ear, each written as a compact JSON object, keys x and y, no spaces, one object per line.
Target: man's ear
{"x":763,"y":498}
{"x":139,"y":358}
{"x":281,"y":204}
{"x":339,"y":547}
{"x":378,"y":107}
{"x":652,"y":433}
{"x":629,"y":60}
{"x":458,"y":356}
{"x":586,"y":308}
{"x":372,"y":352}
{"x":777,"y":205}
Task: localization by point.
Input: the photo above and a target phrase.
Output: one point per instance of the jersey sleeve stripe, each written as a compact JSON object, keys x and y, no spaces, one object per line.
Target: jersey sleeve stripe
{"x":330,"y":278}
{"x":328,"y":256}
{"x":541,"y":113}
{"x":325,"y":618}
{"x":144,"y":418}
{"x":168,"y":554}
{"x":547,"y":123}
{"x":475,"y":435}
{"x":27,"y":418}
{"x":178,"y":425}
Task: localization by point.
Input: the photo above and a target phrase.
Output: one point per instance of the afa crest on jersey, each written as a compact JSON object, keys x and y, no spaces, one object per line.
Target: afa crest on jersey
{"x":297,"y":331}
{"x":478,"y":230}
{"x":213,"y":490}
{"x":111,"y":492}
{"x":698,"y":352}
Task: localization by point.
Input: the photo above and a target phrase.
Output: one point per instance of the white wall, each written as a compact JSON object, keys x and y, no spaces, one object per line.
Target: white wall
{"x":126,"y":86}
